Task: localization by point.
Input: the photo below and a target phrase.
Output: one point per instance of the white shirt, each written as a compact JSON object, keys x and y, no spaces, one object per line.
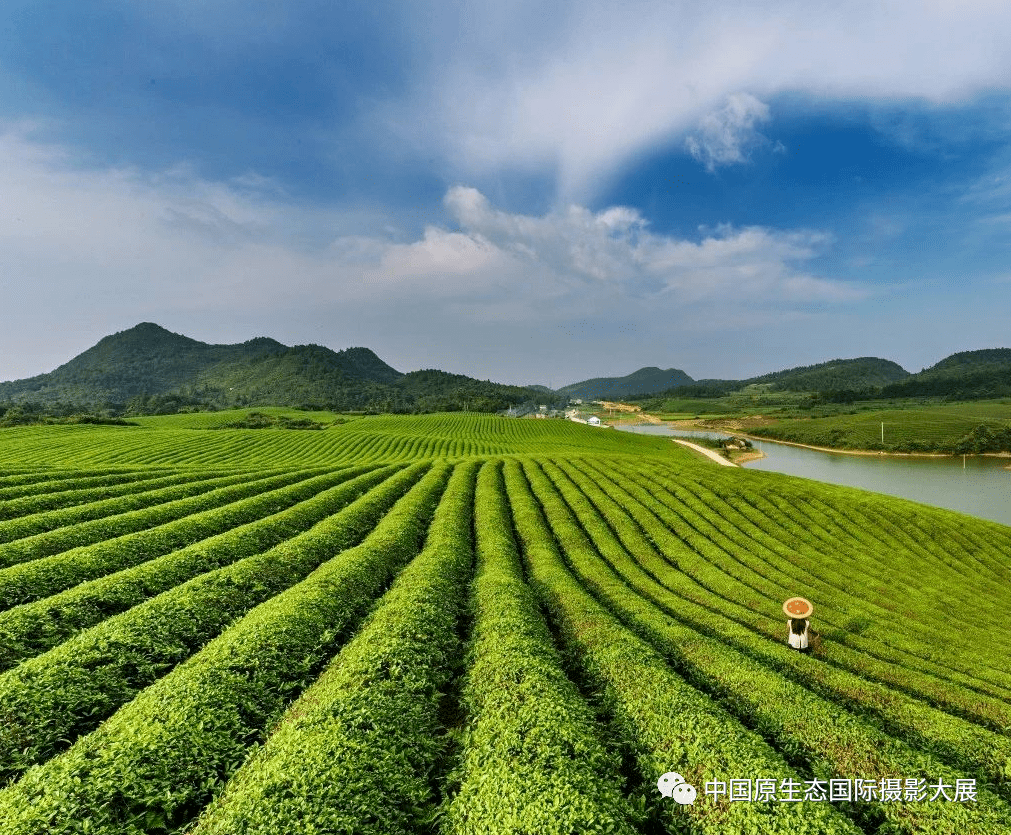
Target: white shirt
{"x":798,"y":641}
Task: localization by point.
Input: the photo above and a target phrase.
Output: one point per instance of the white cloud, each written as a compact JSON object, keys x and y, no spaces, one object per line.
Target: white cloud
{"x":587,"y":255}
{"x":596,"y":83}
{"x":88,"y":252}
{"x":577,"y":90}
{"x":724,"y":135}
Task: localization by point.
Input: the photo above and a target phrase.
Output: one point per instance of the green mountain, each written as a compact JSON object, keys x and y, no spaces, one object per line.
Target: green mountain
{"x":860,"y":373}
{"x":150,"y":369}
{"x":308,"y":376}
{"x":967,"y":375}
{"x":145,"y":359}
{"x":838,"y":374}
{"x":437,"y":391}
{"x":644,"y":381}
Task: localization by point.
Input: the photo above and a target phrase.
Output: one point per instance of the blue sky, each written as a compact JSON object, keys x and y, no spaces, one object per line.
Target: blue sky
{"x":526,"y":192}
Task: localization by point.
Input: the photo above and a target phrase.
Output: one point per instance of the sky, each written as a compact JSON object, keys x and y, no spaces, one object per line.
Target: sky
{"x":532,"y":193}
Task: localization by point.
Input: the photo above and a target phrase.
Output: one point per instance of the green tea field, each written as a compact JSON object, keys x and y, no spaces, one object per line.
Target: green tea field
{"x":475,"y":625}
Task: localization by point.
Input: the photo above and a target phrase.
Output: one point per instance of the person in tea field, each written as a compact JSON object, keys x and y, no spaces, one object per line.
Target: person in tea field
{"x":799,"y":634}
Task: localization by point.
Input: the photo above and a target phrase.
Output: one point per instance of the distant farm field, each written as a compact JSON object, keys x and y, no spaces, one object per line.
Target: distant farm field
{"x":927,"y":428}
{"x":364,"y":439}
{"x":470,"y":624}
{"x":213,"y":420}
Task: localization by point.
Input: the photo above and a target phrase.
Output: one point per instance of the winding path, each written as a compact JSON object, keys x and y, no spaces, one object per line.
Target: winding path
{"x":719,"y":459}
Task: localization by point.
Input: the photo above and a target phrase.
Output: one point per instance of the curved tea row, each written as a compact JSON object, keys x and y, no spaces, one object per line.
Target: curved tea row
{"x":499,"y":642}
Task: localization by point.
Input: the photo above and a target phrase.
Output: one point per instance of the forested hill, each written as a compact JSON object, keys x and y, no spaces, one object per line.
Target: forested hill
{"x":835,"y":375}
{"x":437,"y":391}
{"x":144,"y":359}
{"x":859,"y":373}
{"x":838,"y":374}
{"x":643,"y":381}
{"x":967,"y":375}
{"x":149,"y":369}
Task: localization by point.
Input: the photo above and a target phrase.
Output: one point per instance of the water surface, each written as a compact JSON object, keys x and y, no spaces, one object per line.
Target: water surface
{"x":982,"y":488}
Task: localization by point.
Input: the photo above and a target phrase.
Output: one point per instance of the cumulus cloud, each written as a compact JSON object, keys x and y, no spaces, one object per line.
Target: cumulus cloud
{"x":214,"y":258}
{"x":589,"y":255}
{"x":724,"y":135}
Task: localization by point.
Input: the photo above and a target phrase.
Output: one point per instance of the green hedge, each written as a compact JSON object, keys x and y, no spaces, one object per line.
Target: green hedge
{"x":688,"y":595}
{"x":82,"y":499}
{"x":57,"y":483}
{"x":160,"y":759}
{"x":900,"y":659}
{"x":357,"y":752}
{"x":158,"y":530}
{"x":669,"y":724}
{"x":827,"y":739}
{"x":533,"y":760}
{"x":251,"y":526}
{"x":33,"y":538}
{"x":51,"y":699}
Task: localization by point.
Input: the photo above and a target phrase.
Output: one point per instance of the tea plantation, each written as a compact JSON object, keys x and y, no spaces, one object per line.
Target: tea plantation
{"x":463,"y":624}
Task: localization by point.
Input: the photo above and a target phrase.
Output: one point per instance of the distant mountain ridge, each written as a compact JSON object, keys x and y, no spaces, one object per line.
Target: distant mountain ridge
{"x":148,"y":368}
{"x":966,"y":375}
{"x":969,"y":375}
{"x":861,"y":372}
{"x":644,"y":381}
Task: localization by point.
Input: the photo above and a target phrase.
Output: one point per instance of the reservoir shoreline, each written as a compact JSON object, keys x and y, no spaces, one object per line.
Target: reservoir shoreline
{"x":731,"y":430}
{"x":876,"y":453}
{"x":978,"y":486}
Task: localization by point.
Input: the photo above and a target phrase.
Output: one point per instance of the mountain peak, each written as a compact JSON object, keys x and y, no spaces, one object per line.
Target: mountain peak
{"x":148,"y":367}
{"x":147,"y":333}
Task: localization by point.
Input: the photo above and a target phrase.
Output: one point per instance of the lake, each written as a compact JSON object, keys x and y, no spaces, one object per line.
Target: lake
{"x":982,"y":488}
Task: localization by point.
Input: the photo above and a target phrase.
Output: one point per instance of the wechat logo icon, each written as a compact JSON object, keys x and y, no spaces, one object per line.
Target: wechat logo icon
{"x":673,"y":785}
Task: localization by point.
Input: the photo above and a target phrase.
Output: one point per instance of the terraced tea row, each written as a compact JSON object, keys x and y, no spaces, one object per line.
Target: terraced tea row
{"x":32,"y":537}
{"x":532,"y":759}
{"x":210,"y":708}
{"x":712,"y":610}
{"x":250,"y":526}
{"x":237,"y":665}
{"x":665,"y":721}
{"x":728,"y":521}
{"x":827,"y":740}
{"x":47,"y":492}
{"x":374,"y":439}
{"x":371,"y":721}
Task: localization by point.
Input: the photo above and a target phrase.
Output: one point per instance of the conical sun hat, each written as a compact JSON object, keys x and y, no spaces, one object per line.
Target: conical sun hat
{"x":798,"y":607}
